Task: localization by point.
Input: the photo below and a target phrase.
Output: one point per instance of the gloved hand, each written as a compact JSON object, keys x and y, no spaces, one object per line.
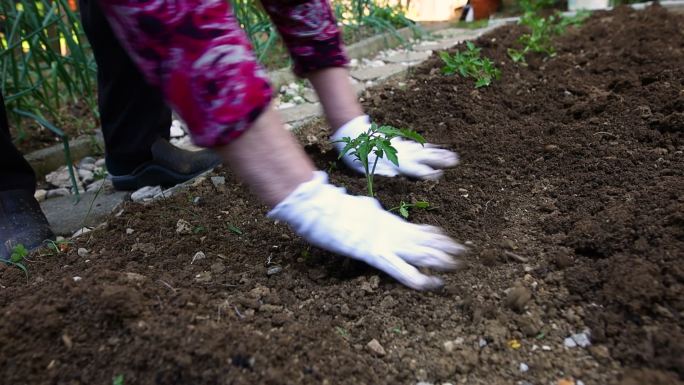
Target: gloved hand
{"x":415,"y":160}
{"x":358,"y":227}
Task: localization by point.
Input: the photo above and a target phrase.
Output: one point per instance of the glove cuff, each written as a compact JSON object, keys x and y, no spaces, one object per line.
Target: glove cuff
{"x":351,"y":129}
{"x":284,"y":210}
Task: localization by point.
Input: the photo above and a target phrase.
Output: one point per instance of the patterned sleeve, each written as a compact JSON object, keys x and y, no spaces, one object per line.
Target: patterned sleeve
{"x":310,"y":32}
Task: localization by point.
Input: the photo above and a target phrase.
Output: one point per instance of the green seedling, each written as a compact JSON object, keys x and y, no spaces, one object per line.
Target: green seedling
{"x":404,"y":207}
{"x":376,"y":140}
{"x":542,"y":30}
{"x":469,"y":63}
{"x":118,"y":379}
{"x":234,"y":229}
{"x":19,"y":252}
{"x":341,"y":331}
{"x":59,"y":246}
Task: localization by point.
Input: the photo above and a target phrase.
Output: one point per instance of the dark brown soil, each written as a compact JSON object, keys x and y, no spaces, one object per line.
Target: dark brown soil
{"x":569,"y":196}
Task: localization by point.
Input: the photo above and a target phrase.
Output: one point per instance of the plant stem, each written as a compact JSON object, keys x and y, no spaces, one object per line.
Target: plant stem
{"x":369,"y":177}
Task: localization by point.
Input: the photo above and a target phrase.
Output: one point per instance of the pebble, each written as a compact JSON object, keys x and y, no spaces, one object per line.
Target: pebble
{"x":198,"y":256}
{"x":218,"y":181}
{"x":581,"y":339}
{"x":482,"y":342}
{"x":59,"y":177}
{"x":100,"y":163}
{"x":96,"y":185}
{"x":76,"y":279}
{"x":40,"y":195}
{"x":85,"y":175}
{"x":87,"y":160}
{"x":87,"y":167}
{"x":569,"y":343}
{"x":58,"y":192}
{"x":134,"y":277}
{"x":204,"y":276}
{"x":129,"y":231}
{"x":183,"y":227}
{"x":81,"y":231}
{"x":273,"y":270}
{"x":524,"y":367}
{"x":146,"y":193}
{"x":375,"y":347}
{"x":83,"y":252}
{"x":550,"y":148}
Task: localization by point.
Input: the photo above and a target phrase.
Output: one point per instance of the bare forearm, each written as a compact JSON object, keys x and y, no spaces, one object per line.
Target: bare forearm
{"x":337,"y":95}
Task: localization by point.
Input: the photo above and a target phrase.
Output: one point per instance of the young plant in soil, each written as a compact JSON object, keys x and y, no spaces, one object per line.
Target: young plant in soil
{"x":469,"y":63}
{"x":376,"y":140}
{"x":405,"y":207}
{"x":542,"y":30}
{"x":19,"y":252}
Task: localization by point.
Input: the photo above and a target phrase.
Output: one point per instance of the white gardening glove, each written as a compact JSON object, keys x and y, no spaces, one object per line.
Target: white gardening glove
{"x":415,"y":160}
{"x":358,"y":227}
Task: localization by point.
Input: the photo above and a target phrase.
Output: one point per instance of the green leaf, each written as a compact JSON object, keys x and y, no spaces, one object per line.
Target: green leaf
{"x":389,"y":150}
{"x":234,"y":229}
{"x":422,"y":204}
{"x":403,"y":210}
{"x":410,"y":134}
{"x":18,"y":254}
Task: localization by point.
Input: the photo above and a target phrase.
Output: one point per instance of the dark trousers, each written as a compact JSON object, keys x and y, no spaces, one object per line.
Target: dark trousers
{"x":132,"y":113}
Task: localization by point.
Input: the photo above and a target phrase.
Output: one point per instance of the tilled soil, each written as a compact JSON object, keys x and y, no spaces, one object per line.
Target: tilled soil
{"x":569,"y":196}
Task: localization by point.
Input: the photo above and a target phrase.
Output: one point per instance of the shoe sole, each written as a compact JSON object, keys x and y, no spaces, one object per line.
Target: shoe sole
{"x":153,"y":175}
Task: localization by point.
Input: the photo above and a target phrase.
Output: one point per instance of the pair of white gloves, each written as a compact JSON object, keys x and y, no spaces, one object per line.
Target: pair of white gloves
{"x":358,"y":227}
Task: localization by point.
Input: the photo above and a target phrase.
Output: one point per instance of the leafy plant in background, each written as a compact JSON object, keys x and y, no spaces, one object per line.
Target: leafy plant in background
{"x":468,"y":63}
{"x":404,"y":207}
{"x":377,"y":140}
{"x":45,"y":63}
{"x":542,"y":30}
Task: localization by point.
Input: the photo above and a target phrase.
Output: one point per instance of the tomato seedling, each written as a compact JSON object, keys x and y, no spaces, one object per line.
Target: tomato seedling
{"x":404,"y":207}
{"x":377,"y":140}
{"x":468,"y":63}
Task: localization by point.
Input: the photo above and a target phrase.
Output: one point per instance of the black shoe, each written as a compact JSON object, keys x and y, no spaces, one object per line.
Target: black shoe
{"x":169,"y":166}
{"x":21,"y":222}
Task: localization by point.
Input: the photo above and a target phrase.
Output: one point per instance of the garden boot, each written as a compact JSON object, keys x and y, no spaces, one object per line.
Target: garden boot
{"x":21,"y":222}
{"x":169,"y":166}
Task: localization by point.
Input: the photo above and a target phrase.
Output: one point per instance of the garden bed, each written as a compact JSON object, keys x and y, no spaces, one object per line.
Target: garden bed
{"x":569,"y":196}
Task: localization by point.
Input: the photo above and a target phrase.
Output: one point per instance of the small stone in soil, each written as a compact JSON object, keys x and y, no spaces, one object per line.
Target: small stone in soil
{"x":146,"y":193}
{"x":82,"y":252}
{"x":218,"y":181}
{"x":129,"y":231}
{"x":581,"y":339}
{"x":569,"y":343}
{"x":524,"y":367}
{"x":375,"y":347}
{"x":204,"y":276}
{"x":40,"y":195}
{"x":198,"y":256}
{"x":76,"y":279}
{"x":273,"y":270}
{"x":81,"y":231}
{"x":183,"y":227}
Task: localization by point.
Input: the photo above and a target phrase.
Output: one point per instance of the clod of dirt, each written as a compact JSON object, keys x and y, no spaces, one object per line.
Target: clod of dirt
{"x":374,"y":347}
{"x":489,"y":257}
{"x":218,"y":268}
{"x":183,"y":227}
{"x":134,"y":277}
{"x":517,"y":298}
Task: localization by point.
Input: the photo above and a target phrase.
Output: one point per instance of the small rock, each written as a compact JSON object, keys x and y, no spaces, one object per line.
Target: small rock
{"x":375,"y":347}
{"x":600,"y":353}
{"x":569,"y":343}
{"x":40,"y":195}
{"x":449,"y":346}
{"x":482,"y":342}
{"x":273,"y":270}
{"x":218,"y":268}
{"x":59,"y":177}
{"x":524,"y":367}
{"x":582,"y":339}
{"x":197,"y":257}
{"x":517,"y":298}
{"x":424,"y":383}
{"x":96,"y":185}
{"x":550,"y":148}
{"x":129,"y":231}
{"x":183,"y":227}
{"x":76,"y":279}
{"x":546,"y":348}
{"x":58,"y":192}
{"x":87,"y":160}
{"x":82,"y":252}
{"x":87,"y":167}
{"x":218,"y":181}
{"x":100,"y":163}
{"x":81,"y":231}
{"x":146,"y":193}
